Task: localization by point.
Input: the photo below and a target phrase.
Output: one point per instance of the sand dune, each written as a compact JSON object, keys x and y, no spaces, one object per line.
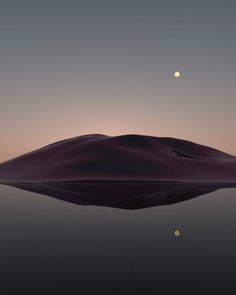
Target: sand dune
{"x":121,"y":158}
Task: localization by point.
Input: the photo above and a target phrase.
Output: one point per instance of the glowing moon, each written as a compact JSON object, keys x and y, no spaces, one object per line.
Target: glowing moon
{"x":177,"y":74}
{"x":177,"y":233}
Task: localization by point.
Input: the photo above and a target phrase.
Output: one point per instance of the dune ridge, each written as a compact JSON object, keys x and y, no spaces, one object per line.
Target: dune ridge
{"x":97,"y":157}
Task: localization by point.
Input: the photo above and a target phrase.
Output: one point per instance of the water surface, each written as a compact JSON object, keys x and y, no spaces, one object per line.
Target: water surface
{"x":53,"y":247}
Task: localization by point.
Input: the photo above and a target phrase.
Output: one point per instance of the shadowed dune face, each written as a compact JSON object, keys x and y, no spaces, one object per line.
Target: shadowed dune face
{"x":121,"y":158}
{"x":122,"y":195}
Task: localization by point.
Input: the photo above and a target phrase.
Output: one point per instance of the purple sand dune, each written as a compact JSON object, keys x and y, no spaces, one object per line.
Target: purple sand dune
{"x":121,"y":158}
{"x":130,"y":171}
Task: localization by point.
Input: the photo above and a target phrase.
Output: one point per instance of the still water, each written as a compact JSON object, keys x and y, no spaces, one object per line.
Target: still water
{"x":49,"y":246}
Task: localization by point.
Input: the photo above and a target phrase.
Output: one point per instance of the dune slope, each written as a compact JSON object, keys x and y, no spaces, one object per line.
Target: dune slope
{"x":121,"y":158}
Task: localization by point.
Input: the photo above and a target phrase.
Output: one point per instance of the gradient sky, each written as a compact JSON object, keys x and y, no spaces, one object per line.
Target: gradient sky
{"x":75,"y":67}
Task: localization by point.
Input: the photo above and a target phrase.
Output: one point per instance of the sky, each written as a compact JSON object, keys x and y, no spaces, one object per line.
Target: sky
{"x":70,"y":68}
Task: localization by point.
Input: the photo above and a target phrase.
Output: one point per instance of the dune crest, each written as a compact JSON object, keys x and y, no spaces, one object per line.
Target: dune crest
{"x":104,"y":158}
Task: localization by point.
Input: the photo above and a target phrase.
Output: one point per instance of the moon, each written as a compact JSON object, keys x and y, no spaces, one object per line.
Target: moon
{"x":177,"y":74}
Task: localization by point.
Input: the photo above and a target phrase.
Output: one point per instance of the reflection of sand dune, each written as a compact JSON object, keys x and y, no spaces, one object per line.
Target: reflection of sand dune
{"x":121,"y":158}
{"x":126,"y":195}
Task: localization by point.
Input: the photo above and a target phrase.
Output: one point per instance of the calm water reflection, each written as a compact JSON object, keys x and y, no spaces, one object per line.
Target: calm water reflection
{"x":53,"y":247}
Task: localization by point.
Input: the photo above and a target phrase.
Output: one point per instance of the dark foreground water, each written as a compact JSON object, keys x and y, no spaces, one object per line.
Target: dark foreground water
{"x":49,"y":246}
